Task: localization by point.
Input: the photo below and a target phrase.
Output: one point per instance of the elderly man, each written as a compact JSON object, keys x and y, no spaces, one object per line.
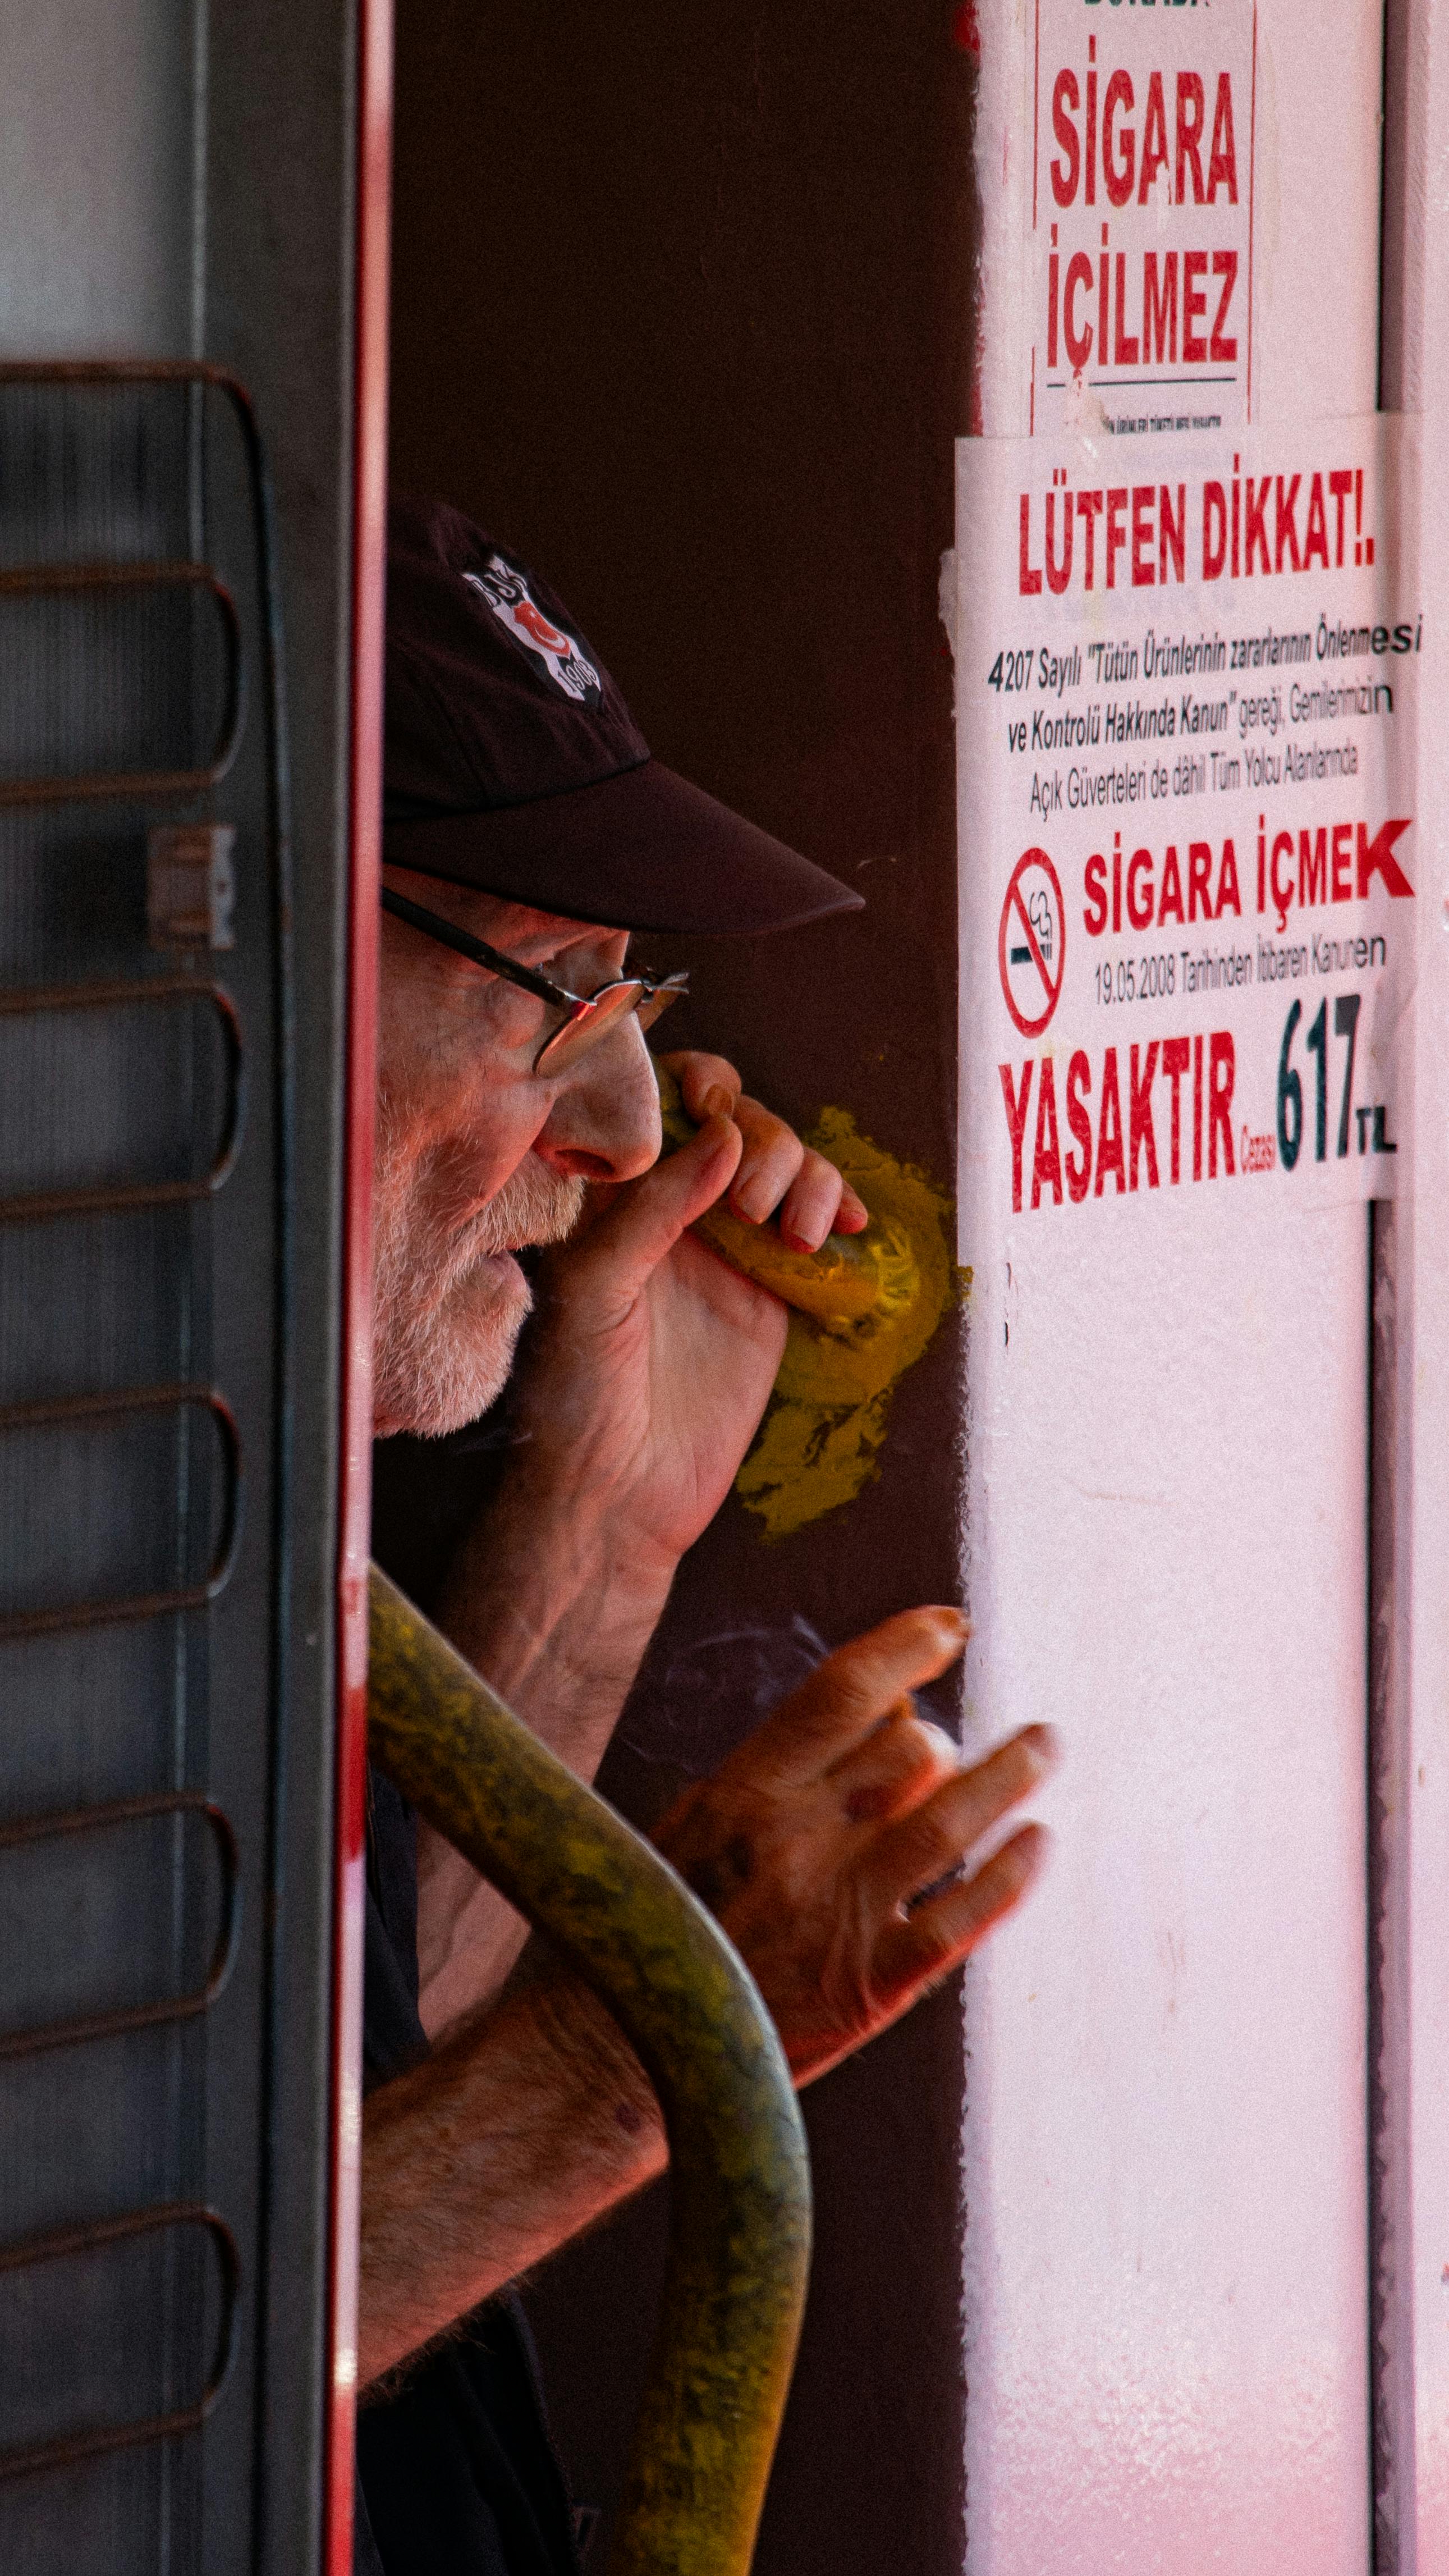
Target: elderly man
{"x":528,"y":833}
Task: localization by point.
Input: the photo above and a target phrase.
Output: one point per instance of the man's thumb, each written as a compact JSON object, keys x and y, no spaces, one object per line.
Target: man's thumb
{"x":649,"y":1215}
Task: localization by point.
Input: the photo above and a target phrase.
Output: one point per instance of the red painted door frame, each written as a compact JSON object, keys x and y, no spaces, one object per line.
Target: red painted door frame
{"x":369,"y":503}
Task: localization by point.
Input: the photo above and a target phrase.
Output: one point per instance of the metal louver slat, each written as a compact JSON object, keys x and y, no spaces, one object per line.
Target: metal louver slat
{"x":144,"y":1329}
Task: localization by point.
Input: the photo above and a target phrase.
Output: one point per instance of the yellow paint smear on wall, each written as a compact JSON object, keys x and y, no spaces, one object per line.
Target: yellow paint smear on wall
{"x":822,"y":1436}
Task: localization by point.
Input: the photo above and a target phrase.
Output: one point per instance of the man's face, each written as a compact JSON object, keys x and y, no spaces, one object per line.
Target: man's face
{"x":478,"y":1156}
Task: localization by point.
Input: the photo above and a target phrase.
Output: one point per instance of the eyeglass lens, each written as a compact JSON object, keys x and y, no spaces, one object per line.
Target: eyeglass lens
{"x":584,"y":1028}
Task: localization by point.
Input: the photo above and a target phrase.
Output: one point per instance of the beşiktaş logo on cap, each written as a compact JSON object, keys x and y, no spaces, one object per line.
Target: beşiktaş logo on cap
{"x":507,"y":593}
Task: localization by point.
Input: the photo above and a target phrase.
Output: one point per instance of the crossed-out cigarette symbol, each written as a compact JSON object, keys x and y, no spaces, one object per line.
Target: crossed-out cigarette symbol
{"x":1032,"y":943}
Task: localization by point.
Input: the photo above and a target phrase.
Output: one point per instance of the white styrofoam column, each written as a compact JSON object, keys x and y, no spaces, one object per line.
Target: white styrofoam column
{"x":1165,"y":2142}
{"x":1166,"y":2285}
{"x":1413,"y":1321}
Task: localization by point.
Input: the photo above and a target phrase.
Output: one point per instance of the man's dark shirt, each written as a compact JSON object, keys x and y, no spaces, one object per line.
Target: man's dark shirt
{"x":456,"y":2474}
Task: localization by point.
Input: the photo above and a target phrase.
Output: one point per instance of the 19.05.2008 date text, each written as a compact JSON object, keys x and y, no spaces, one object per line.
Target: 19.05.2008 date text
{"x":1136,"y":979}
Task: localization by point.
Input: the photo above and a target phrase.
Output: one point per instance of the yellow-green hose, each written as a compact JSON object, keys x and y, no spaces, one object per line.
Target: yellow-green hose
{"x":739,"y":2243}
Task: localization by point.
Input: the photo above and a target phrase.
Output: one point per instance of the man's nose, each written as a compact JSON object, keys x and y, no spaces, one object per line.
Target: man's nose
{"x":604,"y":1123}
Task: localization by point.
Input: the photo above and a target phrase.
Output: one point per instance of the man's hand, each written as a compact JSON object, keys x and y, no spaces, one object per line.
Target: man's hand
{"x":651,"y":1362}
{"x":645,"y":1376}
{"x":833,"y":1844}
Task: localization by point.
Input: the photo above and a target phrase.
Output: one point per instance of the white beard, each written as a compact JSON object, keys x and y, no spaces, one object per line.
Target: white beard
{"x":446,"y":1315}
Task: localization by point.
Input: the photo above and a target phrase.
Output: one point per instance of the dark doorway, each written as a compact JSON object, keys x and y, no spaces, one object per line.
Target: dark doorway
{"x":682,"y":309}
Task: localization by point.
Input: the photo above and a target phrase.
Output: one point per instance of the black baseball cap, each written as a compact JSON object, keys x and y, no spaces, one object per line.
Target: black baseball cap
{"x":512,"y":763}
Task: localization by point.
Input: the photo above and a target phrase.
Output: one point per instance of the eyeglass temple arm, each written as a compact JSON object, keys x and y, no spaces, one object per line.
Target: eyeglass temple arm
{"x":433,"y":926}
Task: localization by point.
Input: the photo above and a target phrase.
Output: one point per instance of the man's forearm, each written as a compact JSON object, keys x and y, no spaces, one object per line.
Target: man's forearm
{"x":544,"y":1601}
{"x":511,"y":2138}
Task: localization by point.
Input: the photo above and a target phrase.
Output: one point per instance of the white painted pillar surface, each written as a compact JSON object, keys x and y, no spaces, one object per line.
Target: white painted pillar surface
{"x":1413,"y":1322}
{"x":1166,"y":2293}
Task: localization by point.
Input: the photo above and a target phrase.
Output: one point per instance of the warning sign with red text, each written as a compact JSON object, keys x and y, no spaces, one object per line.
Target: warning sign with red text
{"x":1191,"y":882}
{"x":1140,"y":244}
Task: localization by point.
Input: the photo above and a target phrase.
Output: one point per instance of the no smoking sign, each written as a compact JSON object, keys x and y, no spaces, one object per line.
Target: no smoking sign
{"x":1032,"y":943}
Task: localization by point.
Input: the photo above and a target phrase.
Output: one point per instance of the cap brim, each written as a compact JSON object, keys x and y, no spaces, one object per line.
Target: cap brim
{"x":644,"y":850}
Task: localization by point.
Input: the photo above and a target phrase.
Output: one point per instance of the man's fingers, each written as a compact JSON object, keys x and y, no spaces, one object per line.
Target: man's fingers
{"x":819,"y":1201}
{"x":810,"y":1208}
{"x":647,"y":1218}
{"x":898,"y":1765}
{"x":852,"y":1691}
{"x":808,"y":1196}
{"x":936,"y":1836}
{"x":769,"y":1165}
{"x":708,"y":1084}
{"x":778,"y":1175}
{"x":913,"y":1954}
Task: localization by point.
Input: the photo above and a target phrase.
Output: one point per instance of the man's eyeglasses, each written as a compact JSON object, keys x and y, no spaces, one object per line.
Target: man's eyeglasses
{"x":585,"y":1017}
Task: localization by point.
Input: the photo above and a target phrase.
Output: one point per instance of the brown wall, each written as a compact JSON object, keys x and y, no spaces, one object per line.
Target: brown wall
{"x":680,"y":310}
